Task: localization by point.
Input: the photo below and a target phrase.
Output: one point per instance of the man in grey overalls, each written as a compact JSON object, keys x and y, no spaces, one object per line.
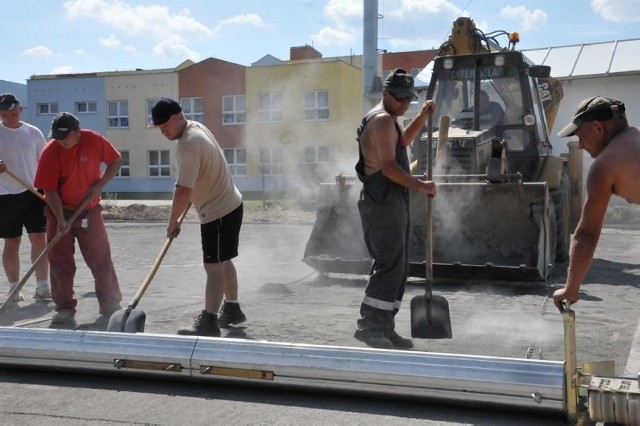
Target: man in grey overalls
{"x":383,"y":168}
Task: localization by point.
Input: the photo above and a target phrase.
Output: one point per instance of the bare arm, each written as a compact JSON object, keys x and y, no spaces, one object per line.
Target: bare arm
{"x":181,"y":201}
{"x":585,"y":239}
{"x":385,"y":138}
{"x":413,"y":129}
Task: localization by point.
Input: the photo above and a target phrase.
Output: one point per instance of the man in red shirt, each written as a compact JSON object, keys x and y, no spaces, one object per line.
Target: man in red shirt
{"x":69,"y":172}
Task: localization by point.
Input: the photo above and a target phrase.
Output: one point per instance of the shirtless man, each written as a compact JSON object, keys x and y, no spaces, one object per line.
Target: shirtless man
{"x":600,"y":123}
{"x":383,"y":167}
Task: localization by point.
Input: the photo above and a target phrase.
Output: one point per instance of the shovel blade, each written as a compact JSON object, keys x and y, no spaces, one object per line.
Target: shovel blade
{"x":127,"y":321}
{"x":135,"y":322}
{"x":430,"y":318}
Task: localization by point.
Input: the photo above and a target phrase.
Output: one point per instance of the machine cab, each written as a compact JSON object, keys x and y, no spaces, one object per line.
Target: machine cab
{"x":490,"y":95}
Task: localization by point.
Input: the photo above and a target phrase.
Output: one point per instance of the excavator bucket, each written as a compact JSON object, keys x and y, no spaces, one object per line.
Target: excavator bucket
{"x":493,"y":231}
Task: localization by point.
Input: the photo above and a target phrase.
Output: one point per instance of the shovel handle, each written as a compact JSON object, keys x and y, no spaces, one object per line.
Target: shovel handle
{"x":46,"y":250}
{"x":428,"y":225}
{"x":156,"y":264}
{"x":23,"y":183}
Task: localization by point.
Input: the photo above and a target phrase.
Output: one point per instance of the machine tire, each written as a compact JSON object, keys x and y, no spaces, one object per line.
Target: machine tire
{"x":561,"y":198}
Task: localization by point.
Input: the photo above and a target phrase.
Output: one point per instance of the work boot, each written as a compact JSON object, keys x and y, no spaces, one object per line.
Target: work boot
{"x":398,"y":341}
{"x":374,"y":338}
{"x":18,"y":297}
{"x":204,"y":324}
{"x":42,"y":293}
{"x":63,"y":317}
{"x":231,"y":314}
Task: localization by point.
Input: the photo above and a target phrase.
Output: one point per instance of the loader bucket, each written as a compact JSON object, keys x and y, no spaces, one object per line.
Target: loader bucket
{"x":503,"y":231}
{"x":481,"y":231}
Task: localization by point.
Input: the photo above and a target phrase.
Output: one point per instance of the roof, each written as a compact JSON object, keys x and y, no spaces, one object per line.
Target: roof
{"x":602,"y":59}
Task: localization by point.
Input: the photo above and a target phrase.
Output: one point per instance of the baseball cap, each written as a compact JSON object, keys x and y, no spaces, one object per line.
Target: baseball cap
{"x":400,"y":84}
{"x":8,"y":102}
{"x":162,"y":111}
{"x":63,"y":124}
{"x":593,"y":108}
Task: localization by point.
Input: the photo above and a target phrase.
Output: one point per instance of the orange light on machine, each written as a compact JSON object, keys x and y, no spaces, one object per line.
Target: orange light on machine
{"x":514,"y":38}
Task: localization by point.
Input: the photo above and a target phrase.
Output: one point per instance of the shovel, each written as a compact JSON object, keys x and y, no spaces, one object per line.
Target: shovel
{"x":130,"y":319}
{"x":430,"y":314}
{"x":46,"y":250}
{"x":23,"y":183}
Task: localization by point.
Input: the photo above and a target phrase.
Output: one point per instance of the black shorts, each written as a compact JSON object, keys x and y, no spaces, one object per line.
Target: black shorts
{"x":220,"y":237}
{"x":21,"y":210}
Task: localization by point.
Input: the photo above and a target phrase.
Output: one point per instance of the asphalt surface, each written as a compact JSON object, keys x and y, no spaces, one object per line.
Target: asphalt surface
{"x":286,"y":301}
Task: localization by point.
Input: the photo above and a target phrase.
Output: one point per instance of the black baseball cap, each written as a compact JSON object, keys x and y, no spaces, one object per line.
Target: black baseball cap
{"x":8,"y":102}
{"x":162,"y":111}
{"x":400,"y":84}
{"x":594,"y":108}
{"x":63,"y":125}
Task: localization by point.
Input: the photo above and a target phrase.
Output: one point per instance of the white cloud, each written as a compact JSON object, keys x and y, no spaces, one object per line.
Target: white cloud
{"x":529,"y":19}
{"x":331,"y":36}
{"x":156,"y":20}
{"x":175,"y":50}
{"x":66,"y":69}
{"x":111,"y":42}
{"x":404,"y":24}
{"x":38,"y":52}
{"x":617,"y":10}
{"x":251,"y":19}
{"x":344,"y":12}
{"x":171,"y":32}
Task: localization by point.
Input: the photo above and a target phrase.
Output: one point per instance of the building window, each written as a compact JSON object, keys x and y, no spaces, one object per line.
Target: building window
{"x":316,"y":154}
{"x":49,"y":108}
{"x":316,"y":105}
{"x":193,"y":109}
{"x":237,"y":160}
{"x":150,"y":104}
{"x":124,"y":168}
{"x":233,"y":110}
{"x":270,"y":107}
{"x":159,"y":165}
{"x":118,"y":114}
{"x":86,"y":107}
{"x":271,"y":161}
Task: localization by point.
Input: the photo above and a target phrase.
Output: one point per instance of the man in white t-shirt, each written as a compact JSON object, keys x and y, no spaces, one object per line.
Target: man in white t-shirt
{"x":20,"y":147}
{"x":204,"y":180}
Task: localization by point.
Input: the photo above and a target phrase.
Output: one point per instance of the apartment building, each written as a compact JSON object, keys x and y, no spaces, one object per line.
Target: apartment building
{"x":117,"y":105}
{"x":284,"y":125}
{"x":301,"y":121}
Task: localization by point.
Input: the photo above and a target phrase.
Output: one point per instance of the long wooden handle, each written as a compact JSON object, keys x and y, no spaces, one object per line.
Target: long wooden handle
{"x":49,"y":246}
{"x":443,"y":134}
{"x":156,"y":264}
{"x":23,"y":183}
{"x":428,"y":231}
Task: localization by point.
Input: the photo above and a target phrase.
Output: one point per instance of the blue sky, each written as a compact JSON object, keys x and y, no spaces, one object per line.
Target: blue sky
{"x":75,"y":36}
